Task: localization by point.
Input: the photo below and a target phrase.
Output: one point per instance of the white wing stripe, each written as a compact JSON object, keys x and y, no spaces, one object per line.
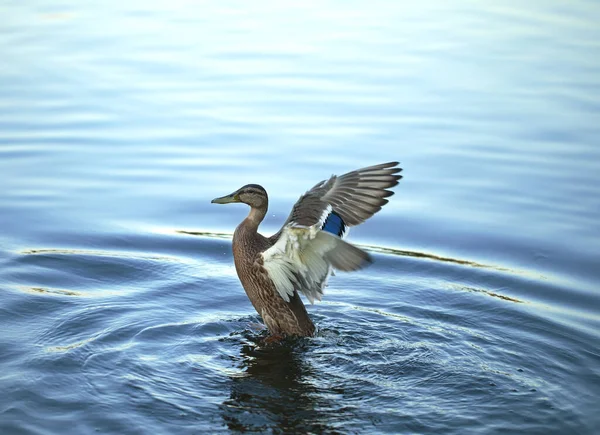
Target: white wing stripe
{"x":298,"y":258}
{"x":302,"y":257}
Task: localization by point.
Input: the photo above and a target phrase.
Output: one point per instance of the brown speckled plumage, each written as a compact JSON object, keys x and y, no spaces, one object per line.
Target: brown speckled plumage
{"x":353,"y":197}
{"x":280,"y":317}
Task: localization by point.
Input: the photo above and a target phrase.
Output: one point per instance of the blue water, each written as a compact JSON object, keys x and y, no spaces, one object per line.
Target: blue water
{"x":120,"y":309}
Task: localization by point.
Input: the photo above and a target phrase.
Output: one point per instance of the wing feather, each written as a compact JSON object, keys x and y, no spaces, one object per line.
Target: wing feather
{"x":303,"y":258}
{"x":354,"y":196}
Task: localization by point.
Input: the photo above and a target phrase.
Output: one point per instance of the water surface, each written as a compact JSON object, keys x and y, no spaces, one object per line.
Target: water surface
{"x":120,"y":309}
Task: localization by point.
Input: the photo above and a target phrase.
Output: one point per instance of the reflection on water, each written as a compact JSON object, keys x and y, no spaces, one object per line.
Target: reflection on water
{"x":86,"y":253}
{"x":489,"y":293}
{"x":273,"y":392}
{"x":51,"y":291}
{"x":433,"y":257}
{"x":205,"y":234}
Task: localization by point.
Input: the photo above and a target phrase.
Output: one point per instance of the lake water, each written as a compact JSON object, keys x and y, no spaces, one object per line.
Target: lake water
{"x":120,"y":309}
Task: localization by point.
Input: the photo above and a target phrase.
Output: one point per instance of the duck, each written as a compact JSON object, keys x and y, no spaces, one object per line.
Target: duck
{"x":299,"y":258}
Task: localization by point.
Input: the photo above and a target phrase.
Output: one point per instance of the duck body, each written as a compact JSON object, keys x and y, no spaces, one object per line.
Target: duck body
{"x":280,"y":317}
{"x":301,"y":256}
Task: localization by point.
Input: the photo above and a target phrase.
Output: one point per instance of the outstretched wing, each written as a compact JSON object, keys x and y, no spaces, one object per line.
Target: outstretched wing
{"x":310,"y":243}
{"x":302,"y":260}
{"x":353,"y":198}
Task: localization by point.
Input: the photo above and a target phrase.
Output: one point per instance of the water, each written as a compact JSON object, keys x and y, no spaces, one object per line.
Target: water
{"x":120,"y":309}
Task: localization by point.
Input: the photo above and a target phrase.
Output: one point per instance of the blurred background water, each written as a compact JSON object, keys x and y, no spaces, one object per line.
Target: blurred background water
{"x":120,"y":310}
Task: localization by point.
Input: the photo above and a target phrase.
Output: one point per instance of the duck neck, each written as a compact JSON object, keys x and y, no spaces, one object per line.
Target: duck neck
{"x":254,"y":218}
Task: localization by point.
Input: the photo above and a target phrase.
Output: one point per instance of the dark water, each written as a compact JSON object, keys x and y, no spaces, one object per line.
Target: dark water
{"x":120,"y":310}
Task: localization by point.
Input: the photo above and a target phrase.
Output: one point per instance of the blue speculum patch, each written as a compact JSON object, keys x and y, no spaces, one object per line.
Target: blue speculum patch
{"x":334,"y":224}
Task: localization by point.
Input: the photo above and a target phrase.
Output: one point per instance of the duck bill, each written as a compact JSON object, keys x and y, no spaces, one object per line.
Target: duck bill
{"x":227,"y":199}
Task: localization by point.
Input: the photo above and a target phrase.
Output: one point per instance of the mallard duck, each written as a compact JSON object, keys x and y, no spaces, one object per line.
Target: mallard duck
{"x":301,"y":256}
